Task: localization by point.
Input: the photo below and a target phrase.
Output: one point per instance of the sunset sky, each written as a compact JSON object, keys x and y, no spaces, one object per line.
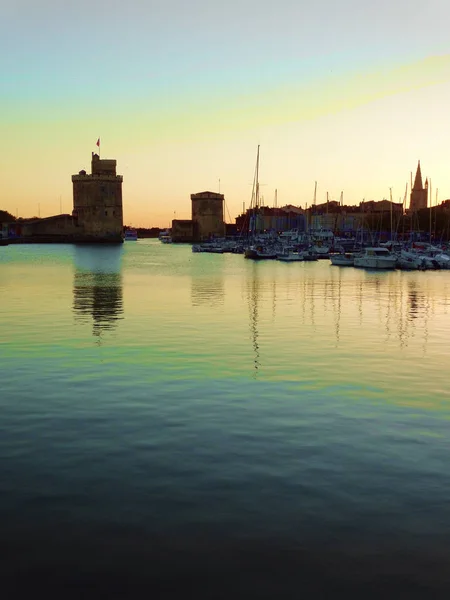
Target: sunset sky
{"x":348,"y":94}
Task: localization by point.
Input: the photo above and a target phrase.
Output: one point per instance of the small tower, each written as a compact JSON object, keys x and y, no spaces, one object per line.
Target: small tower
{"x":207,"y":215}
{"x":419,"y":193}
{"x":97,"y":201}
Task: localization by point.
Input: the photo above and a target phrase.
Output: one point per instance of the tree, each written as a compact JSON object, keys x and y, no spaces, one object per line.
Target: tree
{"x":6,"y":217}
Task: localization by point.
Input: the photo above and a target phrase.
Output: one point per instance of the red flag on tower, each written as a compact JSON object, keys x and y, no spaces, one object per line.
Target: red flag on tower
{"x":98,"y":142}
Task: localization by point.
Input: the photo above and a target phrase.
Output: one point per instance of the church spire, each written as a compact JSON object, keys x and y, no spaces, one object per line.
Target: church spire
{"x":418,"y":180}
{"x":419,"y":194}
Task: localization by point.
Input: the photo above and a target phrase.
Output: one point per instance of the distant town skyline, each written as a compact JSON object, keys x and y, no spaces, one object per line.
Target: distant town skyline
{"x":348,"y":96}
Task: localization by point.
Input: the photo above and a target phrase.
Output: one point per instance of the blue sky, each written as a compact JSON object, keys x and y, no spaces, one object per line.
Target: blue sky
{"x":181,"y":94}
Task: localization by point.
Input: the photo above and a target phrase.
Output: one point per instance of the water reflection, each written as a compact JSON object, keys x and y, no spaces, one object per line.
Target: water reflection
{"x":416,"y":300}
{"x":392,"y":306}
{"x":253,"y":301}
{"x":97,"y":288}
{"x":400,"y":304}
{"x":207,"y":290}
{"x":337,"y":305}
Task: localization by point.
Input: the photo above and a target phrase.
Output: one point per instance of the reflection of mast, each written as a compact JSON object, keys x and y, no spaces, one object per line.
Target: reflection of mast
{"x":390,"y":307}
{"x":360,"y":310}
{"x":418,"y":306}
{"x":311,"y":299}
{"x":253,"y":310}
{"x":274,"y":299}
{"x":413,"y":300}
{"x":402,"y":323}
{"x":338,"y":317}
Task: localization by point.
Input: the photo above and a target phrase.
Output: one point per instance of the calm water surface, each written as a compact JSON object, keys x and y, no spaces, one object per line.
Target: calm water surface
{"x":192,"y":423}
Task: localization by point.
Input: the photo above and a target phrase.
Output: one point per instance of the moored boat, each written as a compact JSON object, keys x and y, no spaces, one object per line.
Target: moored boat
{"x":308,"y":255}
{"x":207,"y":247}
{"x":443,"y":260}
{"x":320,"y":251}
{"x":130,"y":235}
{"x":260,"y":253}
{"x":165,"y":236}
{"x":290,"y":257}
{"x":344,"y":259}
{"x":375,"y":258}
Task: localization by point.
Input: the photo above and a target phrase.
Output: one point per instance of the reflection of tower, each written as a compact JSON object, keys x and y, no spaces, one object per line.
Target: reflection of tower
{"x":419,"y":193}
{"x":97,"y":288}
{"x":253,"y":297}
{"x":98,"y":295}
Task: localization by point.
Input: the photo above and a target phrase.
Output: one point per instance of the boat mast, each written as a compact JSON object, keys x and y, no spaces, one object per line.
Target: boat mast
{"x":404,"y":212}
{"x":312,"y":210}
{"x":257,"y":189}
{"x":257,"y":178}
{"x":431,"y":198}
{"x":390,"y":192}
{"x":435,"y":213}
{"x":254,"y":204}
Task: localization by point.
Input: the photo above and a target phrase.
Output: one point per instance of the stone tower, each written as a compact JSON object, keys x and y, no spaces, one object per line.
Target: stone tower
{"x":419,"y":193}
{"x":207,"y":215}
{"x":97,"y":201}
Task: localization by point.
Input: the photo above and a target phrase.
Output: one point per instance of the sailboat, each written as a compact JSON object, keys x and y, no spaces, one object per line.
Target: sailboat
{"x":257,"y":249}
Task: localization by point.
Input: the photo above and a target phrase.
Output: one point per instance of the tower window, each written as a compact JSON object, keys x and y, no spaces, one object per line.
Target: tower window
{"x":106,"y":213}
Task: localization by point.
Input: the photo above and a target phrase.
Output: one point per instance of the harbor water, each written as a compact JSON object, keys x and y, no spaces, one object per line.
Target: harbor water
{"x":189,"y":423}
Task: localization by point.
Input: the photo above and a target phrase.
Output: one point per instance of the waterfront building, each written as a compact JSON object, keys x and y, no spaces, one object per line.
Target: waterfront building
{"x":348,"y":223}
{"x":326,"y":221}
{"x":4,"y":230}
{"x":181,"y":230}
{"x":271,"y":219}
{"x":381,"y":207}
{"x":54,"y":228}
